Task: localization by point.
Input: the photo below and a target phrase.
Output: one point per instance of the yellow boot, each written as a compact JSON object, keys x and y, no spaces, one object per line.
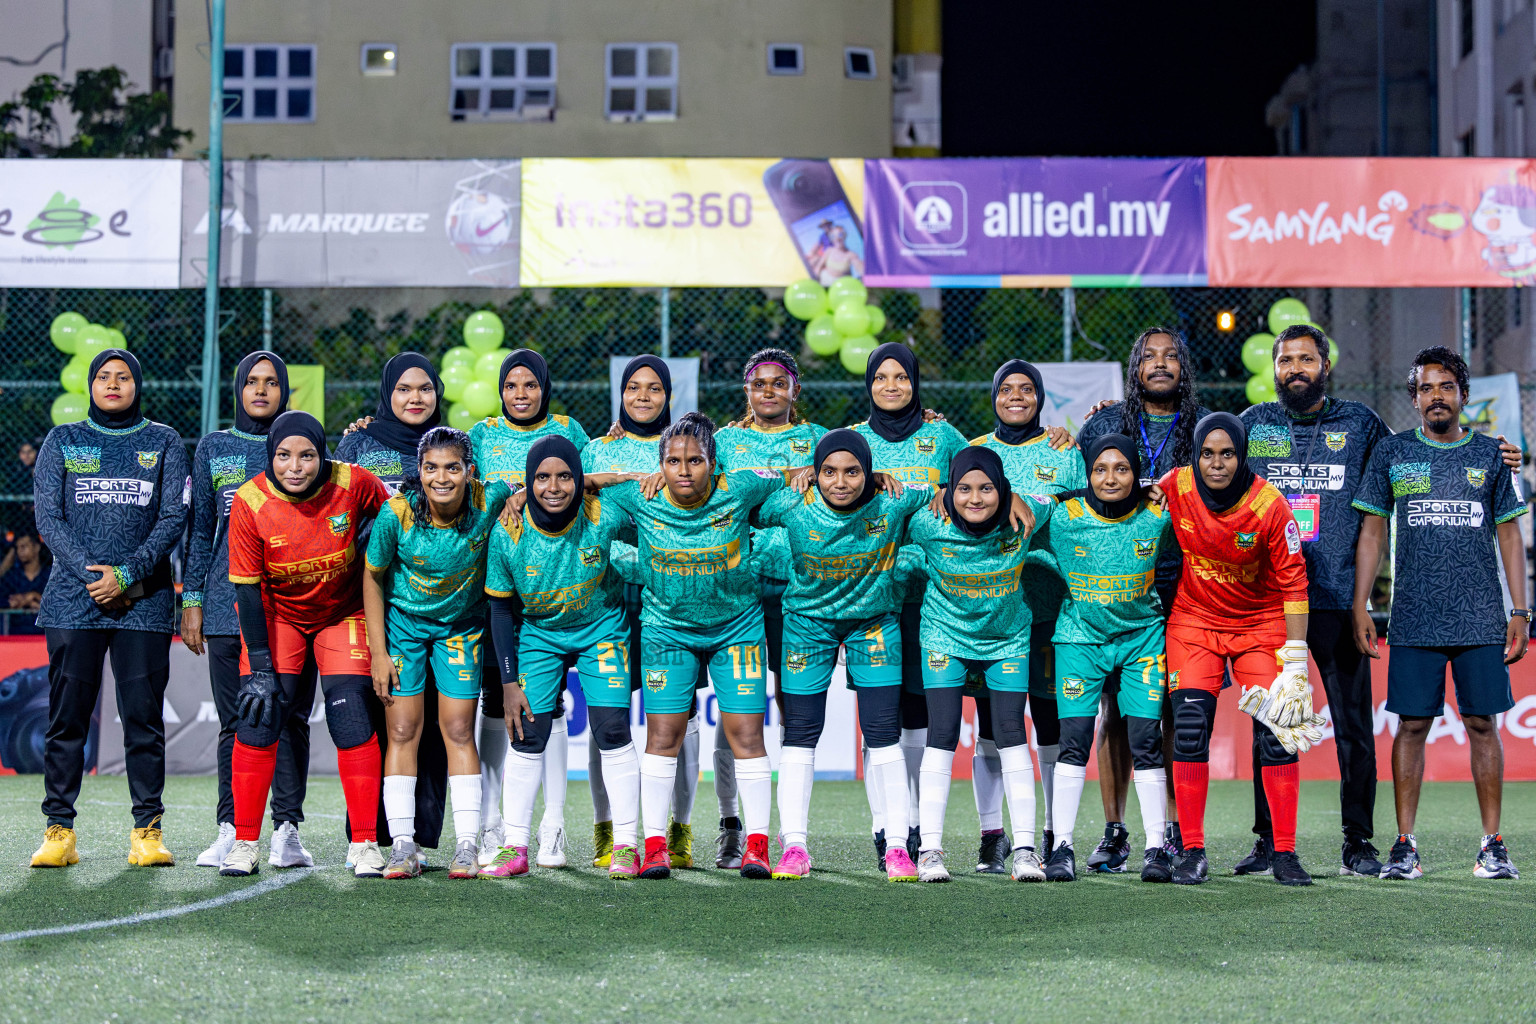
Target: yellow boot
{"x":680,"y":844}
{"x":602,"y":844}
{"x":146,"y":849}
{"x":58,"y":849}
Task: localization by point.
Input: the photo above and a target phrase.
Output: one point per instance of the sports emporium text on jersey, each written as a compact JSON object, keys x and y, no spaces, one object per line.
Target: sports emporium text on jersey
{"x":1438,"y":512}
{"x":1288,"y":476}
{"x":98,"y":490}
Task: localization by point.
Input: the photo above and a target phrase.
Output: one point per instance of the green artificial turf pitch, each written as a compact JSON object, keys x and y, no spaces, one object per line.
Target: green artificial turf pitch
{"x":844,"y":945}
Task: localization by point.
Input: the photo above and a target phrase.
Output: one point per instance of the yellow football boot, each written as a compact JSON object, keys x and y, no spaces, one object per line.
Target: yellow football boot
{"x":680,"y":845}
{"x":146,"y":849}
{"x":58,"y":849}
{"x":602,"y":843}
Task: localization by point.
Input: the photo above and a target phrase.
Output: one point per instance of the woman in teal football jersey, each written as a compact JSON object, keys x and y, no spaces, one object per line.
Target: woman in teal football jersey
{"x":501,"y":445}
{"x":425,"y":590}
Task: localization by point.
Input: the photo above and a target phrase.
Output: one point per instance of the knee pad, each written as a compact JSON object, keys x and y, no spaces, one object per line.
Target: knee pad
{"x":492,"y":704}
{"x":610,"y":727}
{"x":805,"y":715}
{"x":1193,"y":713}
{"x":1042,"y":711}
{"x":347,"y":714}
{"x":914,"y":710}
{"x":984,"y":718}
{"x":260,"y":735}
{"x":880,"y":715}
{"x":1076,"y":741}
{"x":943,"y":717}
{"x":1271,"y":753}
{"x":535,"y":735}
{"x":1146,"y":739}
{"x":1008,"y":728}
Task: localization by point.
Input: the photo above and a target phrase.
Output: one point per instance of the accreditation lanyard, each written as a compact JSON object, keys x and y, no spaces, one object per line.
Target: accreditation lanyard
{"x":1153,"y":456}
{"x":1306,"y":506}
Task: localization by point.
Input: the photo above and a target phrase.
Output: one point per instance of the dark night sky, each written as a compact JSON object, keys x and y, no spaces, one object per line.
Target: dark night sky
{"x":1117,"y":78}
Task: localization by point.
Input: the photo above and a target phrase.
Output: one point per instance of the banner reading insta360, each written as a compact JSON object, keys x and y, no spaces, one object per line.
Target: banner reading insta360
{"x":709,"y":223}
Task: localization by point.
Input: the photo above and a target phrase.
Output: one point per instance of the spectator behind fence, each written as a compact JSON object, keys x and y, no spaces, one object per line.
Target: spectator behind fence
{"x":22,"y":587}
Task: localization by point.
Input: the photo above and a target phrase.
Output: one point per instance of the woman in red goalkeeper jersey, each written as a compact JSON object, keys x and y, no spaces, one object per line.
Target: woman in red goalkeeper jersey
{"x":1242,"y":600}
{"x":294,"y":562}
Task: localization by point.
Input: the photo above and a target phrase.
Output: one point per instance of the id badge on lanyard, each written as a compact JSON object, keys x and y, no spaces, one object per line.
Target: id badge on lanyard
{"x":1308,"y":512}
{"x":1152,"y":457}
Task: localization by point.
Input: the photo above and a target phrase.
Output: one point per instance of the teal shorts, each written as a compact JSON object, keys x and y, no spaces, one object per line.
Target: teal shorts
{"x":733,"y":652}
{"x":1082,"y":668}
{"x":944,"y":670}
{"x":601,"y":649}
{"x":455,"y":654}
{"x":1042,"y":660}
{"x":811,"y":645}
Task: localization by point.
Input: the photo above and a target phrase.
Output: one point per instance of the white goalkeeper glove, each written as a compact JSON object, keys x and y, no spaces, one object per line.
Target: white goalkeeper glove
{"x":1291,"y":692}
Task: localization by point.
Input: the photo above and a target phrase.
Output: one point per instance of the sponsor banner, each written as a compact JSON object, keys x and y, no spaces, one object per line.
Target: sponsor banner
{"x":685,"y":384}
{"x":1372,"y":223}
{"x":1035,"y":223}
{"x":90,"y":223}
{"x":707,"y":223}
{"x":356,"y":223}
{"x":1071,"y":389}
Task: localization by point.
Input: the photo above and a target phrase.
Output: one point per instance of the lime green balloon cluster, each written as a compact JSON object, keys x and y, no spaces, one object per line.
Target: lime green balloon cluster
{"x":471,"y":372}
{"x":840,"y":321}
{"x":81,"y":340}
{"x":1258,"y":350}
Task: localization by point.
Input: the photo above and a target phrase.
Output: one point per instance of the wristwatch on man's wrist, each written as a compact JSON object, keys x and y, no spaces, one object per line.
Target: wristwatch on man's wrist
{"x":1524,"y":613}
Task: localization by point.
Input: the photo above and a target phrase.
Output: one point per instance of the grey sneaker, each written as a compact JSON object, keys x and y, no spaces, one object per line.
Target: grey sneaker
{"x":930,"y":866}
{"x":466,"y":860}
{"x":730,"y":844}
{"x":287,"y":850}
{"x":242,"y":858}
{"x":213,"y":857}
{"x":552,"y":847}
{"x":1027,"y":866}
{"x":367,"y":859}
{"x":402,"y":860}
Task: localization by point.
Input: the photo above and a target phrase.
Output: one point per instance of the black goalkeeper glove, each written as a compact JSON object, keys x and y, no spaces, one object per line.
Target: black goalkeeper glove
{"x":256,"y":702}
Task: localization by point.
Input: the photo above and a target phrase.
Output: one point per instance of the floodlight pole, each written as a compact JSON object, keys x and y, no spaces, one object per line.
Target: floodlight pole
{"x":215,"y":215}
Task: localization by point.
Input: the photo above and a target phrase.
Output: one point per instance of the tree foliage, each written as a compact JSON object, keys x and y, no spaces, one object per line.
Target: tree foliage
{"x":110,"y":119}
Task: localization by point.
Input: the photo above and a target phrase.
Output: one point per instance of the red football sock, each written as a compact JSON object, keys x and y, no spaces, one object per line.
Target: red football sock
{"x":1191,"y":780}
{"x":362,"y":773}
{"x":1282,"y":783}
{"x":250,"y":778}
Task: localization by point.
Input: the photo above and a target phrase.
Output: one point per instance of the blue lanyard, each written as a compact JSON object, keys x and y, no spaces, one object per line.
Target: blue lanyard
{"x":1146,"y":443}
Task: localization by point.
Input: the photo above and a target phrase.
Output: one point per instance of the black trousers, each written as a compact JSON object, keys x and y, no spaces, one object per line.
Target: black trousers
{"x":1347,"y":682}
{"x":291,"y":778}
{"x":141,"y":665}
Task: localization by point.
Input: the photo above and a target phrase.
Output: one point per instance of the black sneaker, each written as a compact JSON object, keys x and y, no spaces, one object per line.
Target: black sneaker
{"x":1403,"y":861}
{"x":1259,"y":859}
{"x":1061,"y":865}
{"x":914,"y":842}
{"x":1360,"y":858}
{"x":880,"y":850}
{"x":1173,"y":840}
{"x":1050,"y":842}
{"x":1156,"y":865}
{"x":1113,"y":850}
{"x":1193,"y":869}
{"x":1493,"y":860}
{"x":1288,"y":869}
{"x":728,"y":844}
{"x":992,"y":858}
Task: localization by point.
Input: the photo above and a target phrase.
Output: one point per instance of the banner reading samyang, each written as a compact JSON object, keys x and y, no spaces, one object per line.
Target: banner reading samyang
{"x":1372,"y":223}
{"x":1035,"y":223}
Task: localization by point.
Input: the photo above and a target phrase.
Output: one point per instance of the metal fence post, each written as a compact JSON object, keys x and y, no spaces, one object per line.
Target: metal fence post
{"x":266,"y":319}
{"x":1068,"y":314}
{"x":1466,"y":325}
{"x":665,"y":315}
{"x":215,"y":215}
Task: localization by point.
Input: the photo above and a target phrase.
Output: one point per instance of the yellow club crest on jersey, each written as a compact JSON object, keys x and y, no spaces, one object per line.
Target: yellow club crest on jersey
{"x":1476,"y":477}
{"x":721,"y":521}
{"x":338,"y":524}
{"x":926,"y":445}
{"x":876,"y":526}
{"x":1073,"y":687}
{"x":794,"y":662}
{"x":937,"y":662}
{"x":149,"y":459}
{"x":1335,"y":441}
{"x":800,"y":447}
{"x":591,"y":556}
{"x":1009,"y":545}
{"x":1144,"y":548}
{"x":655,"y":679}
{"x":1045,"y":474}
{"x":1245,"y":540}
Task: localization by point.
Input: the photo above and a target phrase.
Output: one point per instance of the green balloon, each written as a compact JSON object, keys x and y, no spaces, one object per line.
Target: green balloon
{"x":93,"y":338}
{"x":456,"y":376}
{"x":459,"y":416}
{"x":1286,"y":312}
{"x":847,"y":289}
{"x":855,"y":353}
{"x":488,"y":367}
{"x":461,"y":355}
{"x":851,"y":319}
{"x":805,"y":299}
{"x":483,"y":331}
{"x":481,"y":398}
{"x":1259,"y":353}
{"x":1261,"y":388}
{"x":68,"y":408}
{"x":822,"y":335}
{"x":117,"y":338}
{"x":1333,"y":352}
{"x":72,"y":377}
{"x":65,"y":330}
{"x":876,"y":319}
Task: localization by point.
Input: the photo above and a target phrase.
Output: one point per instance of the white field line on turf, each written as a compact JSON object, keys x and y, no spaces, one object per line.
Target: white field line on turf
{"x":262,"y":887}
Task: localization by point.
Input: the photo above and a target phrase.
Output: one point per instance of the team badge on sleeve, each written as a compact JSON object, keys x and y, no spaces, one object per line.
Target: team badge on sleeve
{"x":1335,"y":440}
{"x":655,"y":679}
{"x":338,"y":524}
{"x":149,"y":460}
{"x":1476,"y":477}
{"x":1292,"y":537}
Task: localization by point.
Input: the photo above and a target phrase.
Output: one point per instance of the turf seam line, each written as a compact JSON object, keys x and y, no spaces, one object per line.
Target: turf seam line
{"x":262,"y":887}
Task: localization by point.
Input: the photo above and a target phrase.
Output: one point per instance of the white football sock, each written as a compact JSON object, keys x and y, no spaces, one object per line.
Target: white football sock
{"x":464,"y":791}
{"x":1048,"y":755}
{"x":888,"y":766}
{"x":400,"y":805}
{"x":797,"y":773}
{"x":520,"y":785}
{"x":1019,"y":783}
{"x":914,"y":744}
{"x":557,"y":753}
{"x":933,"y":801}
{"x":597,"y":782}
{"x":725,"y":775}
{"x":874,"y":793}
{"x":493,"y":758}
{"x":687,"y":785}
{"x":657,"y":775}
{"x":1152,"y":794}
{"x":754,"y":776}
{"x":1069,"y":791}
{"x":987,"y":784}
{"x":621,"y":767}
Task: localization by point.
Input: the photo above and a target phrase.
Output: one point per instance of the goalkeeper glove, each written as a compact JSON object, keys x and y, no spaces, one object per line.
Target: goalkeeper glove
{"x":256,"y":701}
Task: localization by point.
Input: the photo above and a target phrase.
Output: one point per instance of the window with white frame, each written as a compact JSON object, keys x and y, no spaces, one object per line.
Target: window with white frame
{"x":379,"y":60}
{"x":858,"y":62}
{"x":502,"y":81}
{"x":786,"y":59}
{"x":269,"y":83}
{"x":641,"y":82}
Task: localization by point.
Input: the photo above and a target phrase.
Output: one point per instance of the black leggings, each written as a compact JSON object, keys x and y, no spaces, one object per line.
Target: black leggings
{"x":1042,"y":711}
{"x":805,"y":715}
{"x":1146,"y":738}
{"x":914,"y":705}
{"x":291,"y":776}
{"x":944,"y":704}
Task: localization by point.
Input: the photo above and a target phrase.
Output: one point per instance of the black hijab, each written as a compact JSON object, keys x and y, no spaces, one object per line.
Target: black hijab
{"x":244,"y":421}
{"x":297,"y":423}
{"x":1031,"y":429}
{"x":1111,"y":509}
{"x":386,"y":428}
{"x":851,"y":441}
{"x":534,"y":364}
{"x":556,"y":446}
{"x":653,"y":363}
{"x":1220,"y":501}
{"x":989,"y":462}
{"x":129,"y":417}
{"x":903,"y":423}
